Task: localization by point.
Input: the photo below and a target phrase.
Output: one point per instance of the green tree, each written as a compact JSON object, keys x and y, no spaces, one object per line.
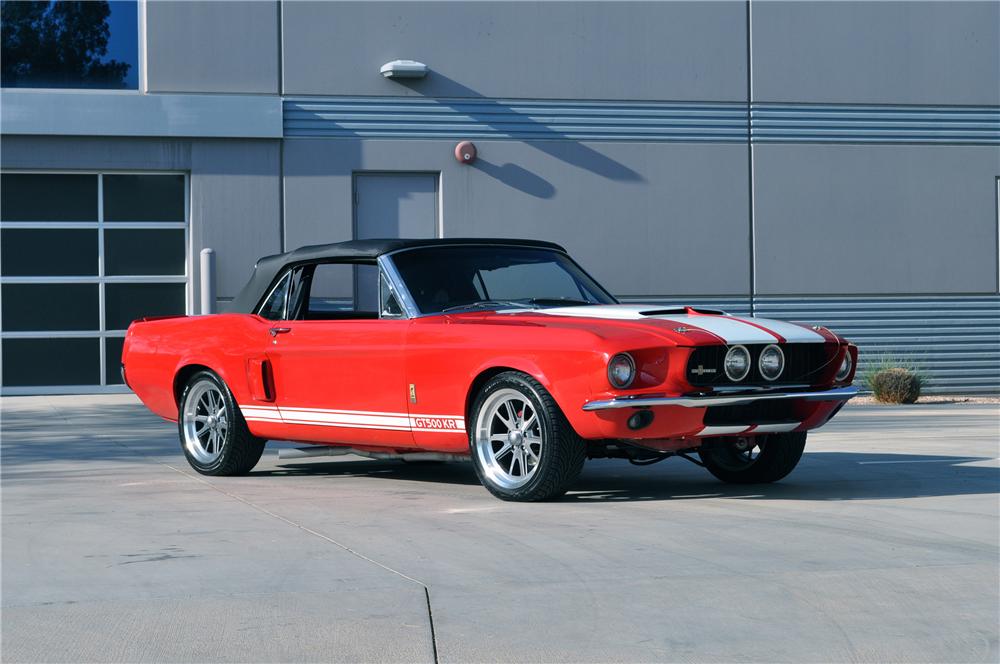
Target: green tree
{"x":57,"y":44}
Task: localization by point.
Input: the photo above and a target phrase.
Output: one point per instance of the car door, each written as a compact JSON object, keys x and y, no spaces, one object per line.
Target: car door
{"x":338,"y":369}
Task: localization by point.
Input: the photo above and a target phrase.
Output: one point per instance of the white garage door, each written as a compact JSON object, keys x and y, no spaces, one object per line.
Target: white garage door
{"x":84,"y":254}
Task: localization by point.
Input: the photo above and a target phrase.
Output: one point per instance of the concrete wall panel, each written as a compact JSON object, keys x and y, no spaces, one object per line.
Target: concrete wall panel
{"x":876,"y":52}
{"x":571,"y":50}
{"x":235,"y":206}
{"x":646,"y":219}
{"x":69,"y":153}
{"x":838,"y":219}
{"x":212,"y":46}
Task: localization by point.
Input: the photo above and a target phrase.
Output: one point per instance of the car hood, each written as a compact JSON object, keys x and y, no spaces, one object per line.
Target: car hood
{"x":682,"y":325}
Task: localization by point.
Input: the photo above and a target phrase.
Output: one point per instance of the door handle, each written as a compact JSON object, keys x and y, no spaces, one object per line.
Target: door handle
{"x":275,"y":331}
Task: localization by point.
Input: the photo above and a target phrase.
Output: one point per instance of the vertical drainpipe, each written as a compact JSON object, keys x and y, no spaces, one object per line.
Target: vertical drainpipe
{"x":750,"y":164}
{"x":207,"y":281}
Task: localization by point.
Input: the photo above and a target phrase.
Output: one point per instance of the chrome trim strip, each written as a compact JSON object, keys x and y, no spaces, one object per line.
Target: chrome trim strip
{"x":397,"y":286}
{"x":383,"y":280}
{"x":277,"y":284}
{"x":835,"y":394}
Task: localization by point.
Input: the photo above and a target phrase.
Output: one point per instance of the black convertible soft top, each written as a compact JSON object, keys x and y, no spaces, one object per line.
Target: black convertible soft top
{"x":268,"y":267}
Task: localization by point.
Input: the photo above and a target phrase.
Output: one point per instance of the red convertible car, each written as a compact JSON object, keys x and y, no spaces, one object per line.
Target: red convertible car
{"x":505,"y":351}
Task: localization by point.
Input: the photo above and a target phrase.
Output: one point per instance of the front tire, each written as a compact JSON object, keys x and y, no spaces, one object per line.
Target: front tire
{"x":522,"y":447}
{"x":755,"y":459}
{"x":214,"y":436}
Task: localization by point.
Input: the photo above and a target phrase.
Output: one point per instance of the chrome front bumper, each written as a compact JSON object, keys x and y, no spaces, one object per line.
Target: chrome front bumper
{"x":835,"y":394}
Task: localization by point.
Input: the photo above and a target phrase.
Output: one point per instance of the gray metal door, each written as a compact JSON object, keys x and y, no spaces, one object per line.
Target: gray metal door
{"x":391,"y":205}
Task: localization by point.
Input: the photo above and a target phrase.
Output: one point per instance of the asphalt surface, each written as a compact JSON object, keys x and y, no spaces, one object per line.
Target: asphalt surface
{"x":882,"y":546}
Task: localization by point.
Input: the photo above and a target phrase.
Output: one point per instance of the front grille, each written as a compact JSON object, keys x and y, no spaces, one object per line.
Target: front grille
{"x":804,"y":363}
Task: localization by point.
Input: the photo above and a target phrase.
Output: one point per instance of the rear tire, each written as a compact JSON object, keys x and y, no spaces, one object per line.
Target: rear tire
{"x":214,"y":436}
{"x":522,"y":447}
{"x":756,"y":459}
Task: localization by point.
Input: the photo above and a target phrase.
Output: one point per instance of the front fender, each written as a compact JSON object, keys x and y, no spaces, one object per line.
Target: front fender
{"x":568,"y":385}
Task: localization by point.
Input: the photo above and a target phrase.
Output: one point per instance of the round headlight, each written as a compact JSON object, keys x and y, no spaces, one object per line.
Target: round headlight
{"x":621,"y":370}
{"x":737,"y":363}
{"x":845,"y":367}
{"x":771,"y":362}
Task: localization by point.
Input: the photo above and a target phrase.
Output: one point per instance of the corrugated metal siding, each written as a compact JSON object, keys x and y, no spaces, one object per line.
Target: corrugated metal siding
{"x":419,"y":117}
{"x":954,"y":340}
{"x":481,"y":118}
{"x":827,"y":123}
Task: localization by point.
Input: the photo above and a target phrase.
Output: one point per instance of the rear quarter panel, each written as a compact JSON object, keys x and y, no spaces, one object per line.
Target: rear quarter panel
{"x":156,"y":351}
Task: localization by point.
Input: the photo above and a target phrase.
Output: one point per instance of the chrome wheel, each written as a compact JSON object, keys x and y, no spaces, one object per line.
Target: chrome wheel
{"x":204,"y":422}
{"x":509,"y":438}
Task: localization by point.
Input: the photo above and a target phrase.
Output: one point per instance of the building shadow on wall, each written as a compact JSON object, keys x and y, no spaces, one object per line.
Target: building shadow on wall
{"x":517,"y":177}
{"x":500,"y":116}
{"x":489,"y":116}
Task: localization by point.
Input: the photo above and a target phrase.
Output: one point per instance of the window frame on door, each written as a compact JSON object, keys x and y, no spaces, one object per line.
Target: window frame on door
{"x":287,"y":273}
{"x":101,"y":278}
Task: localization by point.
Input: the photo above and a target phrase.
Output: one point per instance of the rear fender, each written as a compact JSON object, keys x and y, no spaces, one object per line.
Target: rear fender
{"x":191,"y":364}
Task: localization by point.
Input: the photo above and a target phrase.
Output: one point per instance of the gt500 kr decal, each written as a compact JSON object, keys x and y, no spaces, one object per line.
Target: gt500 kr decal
{"x":730,"y":329}
{"x":423,"y":423}
{"x":355,"y":419}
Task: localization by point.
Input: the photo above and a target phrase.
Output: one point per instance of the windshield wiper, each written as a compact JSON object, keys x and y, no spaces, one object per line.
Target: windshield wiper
{"x":569,"y":301}
{"x":487,"y":304}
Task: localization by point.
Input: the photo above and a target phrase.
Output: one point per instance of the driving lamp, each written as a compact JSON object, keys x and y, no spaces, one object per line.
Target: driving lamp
{"x":737,"y":363}
{"x":771,"y":362}
{"x":621,"y":370}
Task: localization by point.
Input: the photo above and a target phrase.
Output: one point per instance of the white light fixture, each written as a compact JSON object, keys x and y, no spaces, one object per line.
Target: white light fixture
{"x":404,"y":69}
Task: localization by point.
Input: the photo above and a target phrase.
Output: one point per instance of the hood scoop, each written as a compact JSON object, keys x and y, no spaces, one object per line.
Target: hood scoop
{"x":675,"y":311}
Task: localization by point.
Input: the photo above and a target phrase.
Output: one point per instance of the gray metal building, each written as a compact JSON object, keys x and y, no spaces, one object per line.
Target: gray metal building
{"x":835,"y":162}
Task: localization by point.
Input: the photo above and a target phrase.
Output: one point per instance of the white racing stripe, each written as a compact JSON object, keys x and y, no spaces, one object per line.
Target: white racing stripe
{"x":613,"y":311}
{"x":791,"y":332}
{"x":355,"y":419}
{"x":776,"y":428}
{"x":743,"y":428}
{"x":722,"y":431}
{"x":731,"y":329}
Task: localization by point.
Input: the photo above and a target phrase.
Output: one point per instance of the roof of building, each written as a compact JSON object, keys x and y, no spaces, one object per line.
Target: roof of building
{"x":268,"y":267}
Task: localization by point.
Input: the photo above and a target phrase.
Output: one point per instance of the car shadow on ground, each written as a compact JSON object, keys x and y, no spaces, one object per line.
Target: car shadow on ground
{"x":820,"y":476}
{"x":33,"y":436}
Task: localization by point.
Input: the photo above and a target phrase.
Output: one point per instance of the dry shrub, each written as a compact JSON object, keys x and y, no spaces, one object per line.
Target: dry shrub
{"x":895,"y":385}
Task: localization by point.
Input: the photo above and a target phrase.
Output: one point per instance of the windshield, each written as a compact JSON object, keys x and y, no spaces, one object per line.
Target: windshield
{"x":490,"y":277}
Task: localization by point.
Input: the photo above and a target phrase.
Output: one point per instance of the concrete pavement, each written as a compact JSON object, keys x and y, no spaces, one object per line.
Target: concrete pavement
{"x":882,"y":546}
